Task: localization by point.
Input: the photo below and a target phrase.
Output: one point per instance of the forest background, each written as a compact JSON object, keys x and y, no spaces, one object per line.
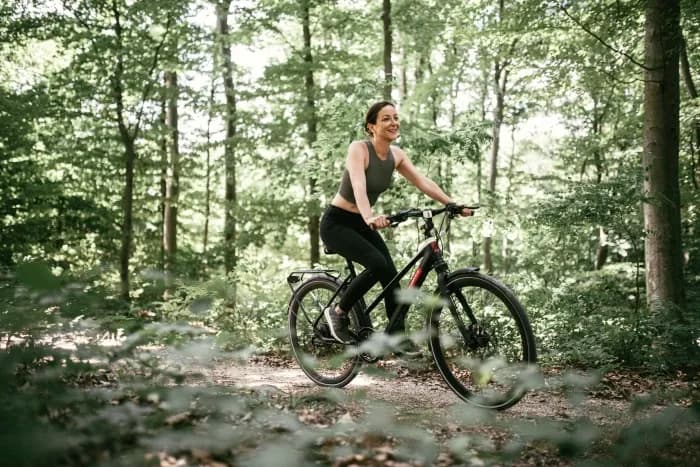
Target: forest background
{"x":164,"y":165}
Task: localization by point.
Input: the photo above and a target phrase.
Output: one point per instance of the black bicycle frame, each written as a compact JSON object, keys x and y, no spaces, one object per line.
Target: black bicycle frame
{"x":428,"y":254}
{"x":430,"y":257}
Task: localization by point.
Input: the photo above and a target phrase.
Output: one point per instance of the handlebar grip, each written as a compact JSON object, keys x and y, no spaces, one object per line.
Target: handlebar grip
{"x":455,"y":209}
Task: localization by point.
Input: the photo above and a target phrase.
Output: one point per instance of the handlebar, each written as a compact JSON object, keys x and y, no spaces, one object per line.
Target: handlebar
{"x":451,"y":209}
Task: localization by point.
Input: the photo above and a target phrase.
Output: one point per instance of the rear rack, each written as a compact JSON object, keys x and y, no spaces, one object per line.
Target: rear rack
{"x":295,"y":277}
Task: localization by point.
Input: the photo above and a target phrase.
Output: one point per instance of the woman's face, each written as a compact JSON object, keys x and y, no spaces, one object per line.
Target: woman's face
{"x":387,"y":126}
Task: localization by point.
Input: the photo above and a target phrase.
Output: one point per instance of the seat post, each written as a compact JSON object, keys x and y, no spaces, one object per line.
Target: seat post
{"x":348,"y":263}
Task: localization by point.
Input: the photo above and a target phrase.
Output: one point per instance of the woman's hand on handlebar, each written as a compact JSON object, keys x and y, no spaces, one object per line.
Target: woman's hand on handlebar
{"x":378,"y":222}
{"x":461,"y":210}
{"x":466,"y":212}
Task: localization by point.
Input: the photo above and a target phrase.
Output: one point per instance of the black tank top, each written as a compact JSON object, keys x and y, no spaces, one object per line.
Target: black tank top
{"x":377,"y":175}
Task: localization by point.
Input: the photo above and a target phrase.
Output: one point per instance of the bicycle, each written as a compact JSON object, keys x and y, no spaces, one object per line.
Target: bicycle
{"x":478,"y":332}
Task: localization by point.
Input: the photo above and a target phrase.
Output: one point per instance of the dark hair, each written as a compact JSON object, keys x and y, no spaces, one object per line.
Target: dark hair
{"x":373,"y":112}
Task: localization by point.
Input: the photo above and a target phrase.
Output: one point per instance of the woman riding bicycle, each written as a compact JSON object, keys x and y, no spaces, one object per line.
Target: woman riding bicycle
{"x":349,"y":227}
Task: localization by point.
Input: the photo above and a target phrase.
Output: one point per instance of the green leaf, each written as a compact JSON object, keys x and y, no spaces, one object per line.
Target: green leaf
{"x":37,"y":276}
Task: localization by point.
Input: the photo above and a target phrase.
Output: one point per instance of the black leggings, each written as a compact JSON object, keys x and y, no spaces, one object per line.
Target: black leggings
{"x":346,"y":233}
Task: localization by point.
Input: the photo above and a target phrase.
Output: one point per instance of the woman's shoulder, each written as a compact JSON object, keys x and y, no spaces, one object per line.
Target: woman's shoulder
{"x":397,"y":151}
{"x":358,"y":147}
{"x":358,"y":143}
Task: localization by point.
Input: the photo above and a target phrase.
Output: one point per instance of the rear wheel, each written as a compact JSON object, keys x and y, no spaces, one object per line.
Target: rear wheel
{"x":482,"y":342}
{"x":325,"y":361}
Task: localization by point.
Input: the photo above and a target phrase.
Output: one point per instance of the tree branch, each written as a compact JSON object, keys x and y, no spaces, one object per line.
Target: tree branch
{"x":693,"y":92}
{"x":248,"y":15}
{"x":600,"y":39}
{"x":151,"y":81}
{"x":685,"y":68}
{"x":117,"y":77}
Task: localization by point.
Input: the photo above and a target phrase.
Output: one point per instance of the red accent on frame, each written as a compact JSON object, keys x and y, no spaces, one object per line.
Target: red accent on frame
{"x":416,"y":277}
{"x":434,"y":246}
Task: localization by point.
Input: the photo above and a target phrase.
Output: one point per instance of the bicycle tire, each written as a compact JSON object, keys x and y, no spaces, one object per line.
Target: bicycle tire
{"x":325,"y":362}
{"x":491,"y":365}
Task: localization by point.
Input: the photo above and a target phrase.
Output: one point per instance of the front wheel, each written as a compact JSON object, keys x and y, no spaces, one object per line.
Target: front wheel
{"x":325,"y":361}
{"x":482,"y":341}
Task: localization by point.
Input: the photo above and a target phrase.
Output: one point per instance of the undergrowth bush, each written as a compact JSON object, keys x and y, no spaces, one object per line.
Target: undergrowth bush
{"x":594,"y":319}
{"x":248,"y":307}
{"x":599,"y":319}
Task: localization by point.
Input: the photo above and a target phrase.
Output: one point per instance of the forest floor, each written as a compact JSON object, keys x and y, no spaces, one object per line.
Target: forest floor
{"x":552,"y":426}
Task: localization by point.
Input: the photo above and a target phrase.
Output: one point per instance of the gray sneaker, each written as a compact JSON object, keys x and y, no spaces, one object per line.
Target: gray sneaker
{"x":338,"y":325}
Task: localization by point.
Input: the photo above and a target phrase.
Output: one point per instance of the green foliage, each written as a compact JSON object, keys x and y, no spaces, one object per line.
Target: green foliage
{"x":72,"y":397}
{"x":62,"y":166}
{"x":40,"y":218}
{"x":675,"y":334}
{"x":246,"y":308}
{"x":593,"y":320}
{"x":609,"y":326}
{"x":614,"y":204}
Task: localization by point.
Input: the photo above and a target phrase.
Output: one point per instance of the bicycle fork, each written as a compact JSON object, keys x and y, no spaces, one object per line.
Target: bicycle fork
{"x":468,"y":333}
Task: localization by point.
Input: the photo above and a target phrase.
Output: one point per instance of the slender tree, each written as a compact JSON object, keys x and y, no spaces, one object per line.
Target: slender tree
{"x":388,"y":71}
{"x":208,"y":168}
{"x":222,"y":12}
{"x":501,"y":70}
{"x":311,"y":130}
{"x":128,"y":140}
{"x":172,"y":179}
{"x":128,"y":134}
{"x":162,"y":182}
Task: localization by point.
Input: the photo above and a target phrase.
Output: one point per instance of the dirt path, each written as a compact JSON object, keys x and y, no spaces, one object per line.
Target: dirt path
{"x":537,"y":428}
{"x":411,"y":389}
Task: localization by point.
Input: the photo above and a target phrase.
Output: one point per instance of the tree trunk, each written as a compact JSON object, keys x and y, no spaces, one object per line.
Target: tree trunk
{"x":128,"y":137}
{"x":388,"y":72}
{"x":601,"y":254}
{"x":456,"y":83}
{"x":117,"y":82}
{"x":434,"y":106}
{"x":311,"y":124}
{"x":500,"y":80}
{"x":163,"y":175}
{"x":602,"y":248}
{"x":127,"y":215}
{"x":230,"y":201}
{"x":507,"y":250}
{"x":207,"y":183}
{"x":172,"y":181}
{"x":404,"y":75}
{"x":484,"y":93}
{"x":662,"y":246}
{"x":483,"y":96}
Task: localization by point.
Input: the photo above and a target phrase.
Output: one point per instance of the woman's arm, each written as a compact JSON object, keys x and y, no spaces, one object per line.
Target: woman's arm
{"x":356,"y":162}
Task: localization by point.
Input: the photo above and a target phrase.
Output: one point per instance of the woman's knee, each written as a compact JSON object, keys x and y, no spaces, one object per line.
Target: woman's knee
{"x":381,"y":268}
